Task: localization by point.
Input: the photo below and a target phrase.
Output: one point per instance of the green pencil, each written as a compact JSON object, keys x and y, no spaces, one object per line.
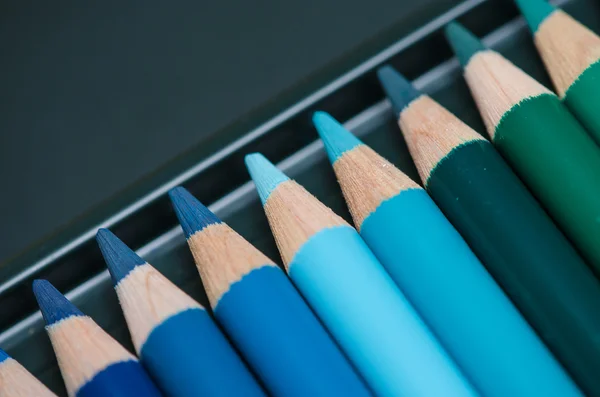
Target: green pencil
{"x":539,"y":137}
{"x":505,"y":226}
{"x":571,"y":53}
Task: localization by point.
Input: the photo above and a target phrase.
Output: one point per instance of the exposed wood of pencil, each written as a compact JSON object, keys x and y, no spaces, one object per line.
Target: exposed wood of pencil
{"x":223,"y":257}
{"x":432,"y":132}
{"x":16,"y":381}
{"x":367,"y":179}
{"x":567,"y":48}
{"x":148,"y":298}
{"x":83,"y":349}
{"x":295,"y":215}
{"x":497,"y":85}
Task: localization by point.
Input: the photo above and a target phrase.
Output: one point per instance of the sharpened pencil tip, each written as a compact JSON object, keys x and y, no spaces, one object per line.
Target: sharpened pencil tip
{"x":464,"y":43}
{"x":192,"y":214}
{"x":265,"y":175}
{"x":53,"y":305}
{"x":399,"y":90}
{"x":336,"y":138}
{"x":3,"y":356}
{"x":119,"y":258}
{"x":535,"y":12}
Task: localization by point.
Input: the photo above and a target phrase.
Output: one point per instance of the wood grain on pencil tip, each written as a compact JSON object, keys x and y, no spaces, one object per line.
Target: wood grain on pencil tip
{"x":92,"y":363}
{"x":16,"y":381}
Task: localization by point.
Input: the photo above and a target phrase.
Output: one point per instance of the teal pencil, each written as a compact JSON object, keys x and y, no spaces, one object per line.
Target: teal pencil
{"x":352,"y":294}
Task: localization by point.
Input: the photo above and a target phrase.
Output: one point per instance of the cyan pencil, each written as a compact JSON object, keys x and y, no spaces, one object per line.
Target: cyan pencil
{"x":352,"y":294}
{"x":174,"y":336}
{"x":440,"y":275}
{"x":16,"y":381}
{"x":262,"y":312}
{"x":92,"y":363}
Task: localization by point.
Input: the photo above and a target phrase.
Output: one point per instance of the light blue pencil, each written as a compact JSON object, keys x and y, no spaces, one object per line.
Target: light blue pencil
{"x":352,"y":294}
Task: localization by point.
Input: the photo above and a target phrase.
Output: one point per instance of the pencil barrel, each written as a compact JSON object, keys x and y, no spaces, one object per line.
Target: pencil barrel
{"x":525,"y":252}
{"x":582,"y":99}
{"x":560,"y":163}
{"x":460,"y":301}
{"x":126,"y":378}
{"x":188,"y":356}
{"x":282,"y":340}
{"x":370,"y":318}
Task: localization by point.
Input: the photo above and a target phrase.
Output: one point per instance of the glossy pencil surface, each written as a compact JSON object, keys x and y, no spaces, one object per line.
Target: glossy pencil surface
{"x":543,"y":143}
{"x":174,"y":336}
{"x":262,"y":312}
{"x":92,"y":363}
{"x":16,"y":381}
{"x":504,"y":225}
{"x":371,"y":320}
{"x":571,"y":53}
{"x":440,"y":275}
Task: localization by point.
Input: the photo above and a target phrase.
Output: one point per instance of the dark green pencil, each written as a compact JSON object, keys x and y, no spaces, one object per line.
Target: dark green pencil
{"x":540,"y":139}
{"x":504,"y":225}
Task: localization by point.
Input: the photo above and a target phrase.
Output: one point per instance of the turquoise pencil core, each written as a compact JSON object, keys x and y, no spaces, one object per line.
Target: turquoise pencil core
{"x":463,"y":43}
{"x":399,"y":90}
{"x":265,"y":175}
{"x":336,"y":138}
{"x":535,"y":12}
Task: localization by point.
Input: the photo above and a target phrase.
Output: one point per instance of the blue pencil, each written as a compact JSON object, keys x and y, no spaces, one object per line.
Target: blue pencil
{"x":176,"y":339}
{"x":352,"y":294}
{"x":16,"y":381}
{"x":439,"y":273}
{"x":92,"y":363}
{"x":262,"y":312}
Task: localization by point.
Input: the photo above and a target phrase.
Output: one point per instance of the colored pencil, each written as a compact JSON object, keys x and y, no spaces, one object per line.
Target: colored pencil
{"x":16,"y":381}
{"x":505,"y":226}
{"x":262,"y":312}
{"x":352,"y":294}
{"x":175,"y":338}
{"x":571,"y":53}
{"x":439,"y":273}
{"x":539,"y":138}
{"x":92,"y":363}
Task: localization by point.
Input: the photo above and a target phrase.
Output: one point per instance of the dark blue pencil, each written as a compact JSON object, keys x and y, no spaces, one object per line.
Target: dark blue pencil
{"x":92,"y":363}
{"x":176,"y":339}
{"x":262,"y":312}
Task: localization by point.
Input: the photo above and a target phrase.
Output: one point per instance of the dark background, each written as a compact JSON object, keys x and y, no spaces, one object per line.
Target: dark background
{"x":98,"y":97}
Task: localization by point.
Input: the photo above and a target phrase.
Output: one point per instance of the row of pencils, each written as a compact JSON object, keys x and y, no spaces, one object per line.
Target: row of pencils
{"x":484,"y":282}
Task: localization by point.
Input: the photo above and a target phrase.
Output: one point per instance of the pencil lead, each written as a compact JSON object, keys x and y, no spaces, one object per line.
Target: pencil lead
{"x":463,"y":42}
{"x":399,"y":90}
{"x":53,"y":305}
{"x":535,"y":11}
{"x":265,"y":175}
{"x":3,"y":356}
{"x":192,"y":214}
{"x":336,"y":138}
{"x":119,"y":258}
